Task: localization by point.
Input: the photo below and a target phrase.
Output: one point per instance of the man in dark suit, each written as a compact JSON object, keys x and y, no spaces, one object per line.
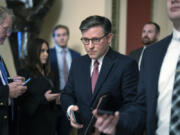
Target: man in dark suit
{"x":7,"y":90}
{"x":150,"y":34}
{"x":101,"y":71}
{"x":158,"y":87}
{"x":60,"y":58}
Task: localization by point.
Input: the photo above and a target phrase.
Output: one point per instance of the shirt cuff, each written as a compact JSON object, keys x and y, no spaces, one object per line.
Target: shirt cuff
{"x":68,"y":111}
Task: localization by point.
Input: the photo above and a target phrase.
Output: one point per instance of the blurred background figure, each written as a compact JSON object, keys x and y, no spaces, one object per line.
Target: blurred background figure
{"x":8,"y":89}
{"x":150,"y":34}
{"x":60,"y":58}
{"x":28,"y":19}
{"x":37,"y":106}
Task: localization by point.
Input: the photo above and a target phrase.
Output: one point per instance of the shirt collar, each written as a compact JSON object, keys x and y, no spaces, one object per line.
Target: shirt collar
{"x":60,"y":49}
{"x":176,"y":35}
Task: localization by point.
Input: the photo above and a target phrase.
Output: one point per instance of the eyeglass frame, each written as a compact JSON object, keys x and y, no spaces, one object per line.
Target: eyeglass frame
{"x":94,"y":40}
{"x":6,"y":29}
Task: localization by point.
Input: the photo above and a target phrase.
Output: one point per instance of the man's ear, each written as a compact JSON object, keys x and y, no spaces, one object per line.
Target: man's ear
{"x":109,"y":37}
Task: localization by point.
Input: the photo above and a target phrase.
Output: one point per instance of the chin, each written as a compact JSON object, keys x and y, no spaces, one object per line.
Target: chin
{"x":92,"y":57}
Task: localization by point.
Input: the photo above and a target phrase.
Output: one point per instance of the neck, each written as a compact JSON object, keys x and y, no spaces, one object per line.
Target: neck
{"x":177,"y":26}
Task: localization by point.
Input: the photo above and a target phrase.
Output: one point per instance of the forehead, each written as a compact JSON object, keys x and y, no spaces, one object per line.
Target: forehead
{"x":61,"y":30}
{"x":44,"y":45}
{"x":93,"y":32}
{"x":149,"y":27}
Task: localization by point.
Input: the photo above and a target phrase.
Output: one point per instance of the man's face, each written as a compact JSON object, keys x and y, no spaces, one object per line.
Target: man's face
{"x":149,"y":34}
{"x":5,"y":29}
{"x":173,"y":8}
{"x":97,"y":49}
{"x":61,"y":37}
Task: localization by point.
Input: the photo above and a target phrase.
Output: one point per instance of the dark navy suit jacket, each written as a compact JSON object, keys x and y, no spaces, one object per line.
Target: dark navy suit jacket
{"x":54,"y":64}
{"x":148,"y":84}
{"x":7,"y":125}
{"x":136,"y":54}
{"x":118,"y":76}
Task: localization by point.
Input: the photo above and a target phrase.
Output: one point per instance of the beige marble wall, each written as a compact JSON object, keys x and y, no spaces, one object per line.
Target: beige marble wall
{"x":71,"y":13}
{"x":159,"y":15}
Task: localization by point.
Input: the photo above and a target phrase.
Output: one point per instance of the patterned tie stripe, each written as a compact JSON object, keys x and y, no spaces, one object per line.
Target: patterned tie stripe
{"x":175,"y":107}
{"x":94,"y":75}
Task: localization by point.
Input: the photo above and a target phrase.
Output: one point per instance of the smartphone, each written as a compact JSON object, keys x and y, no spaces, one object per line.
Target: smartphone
{"x":76,"y":116}
{"x":105,"y":105}
{"x":102,"y":112}
{"x":27,"y":81}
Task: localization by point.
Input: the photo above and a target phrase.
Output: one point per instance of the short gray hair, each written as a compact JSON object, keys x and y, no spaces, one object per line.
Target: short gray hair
{"x":4,"y":12}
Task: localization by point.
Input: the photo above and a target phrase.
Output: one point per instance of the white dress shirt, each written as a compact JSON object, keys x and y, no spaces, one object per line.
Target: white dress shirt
{"x":166,"y":83}
{"x":60,"y":64}
{"x":140,"y":58}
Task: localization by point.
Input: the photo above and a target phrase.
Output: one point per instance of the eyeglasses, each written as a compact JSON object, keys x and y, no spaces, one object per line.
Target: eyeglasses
{"x":86,"y":41}
{"x":6,"y":29}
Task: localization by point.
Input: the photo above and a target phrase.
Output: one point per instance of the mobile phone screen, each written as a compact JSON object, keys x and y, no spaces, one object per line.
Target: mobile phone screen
{"x":76,"y":117}
{"x":27,"y":81}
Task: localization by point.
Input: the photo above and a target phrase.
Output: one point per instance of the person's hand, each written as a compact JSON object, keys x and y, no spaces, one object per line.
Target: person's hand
{"x":73,"y":123}
{"x":51,"y":96}
{"x":58,"y":99}
{"x":106,"y":123}
{"x":18,"y":79}
{"x":16,"y":89}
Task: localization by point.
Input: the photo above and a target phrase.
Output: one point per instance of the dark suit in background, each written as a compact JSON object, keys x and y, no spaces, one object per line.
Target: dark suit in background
{"x":54,"y":64}
{"x":4,"y":109}
{"x":149,"y":35}
{"x":148,"y":84}
{"x":136,"y":54}
{"x":118,"y":76}
{"x":63,"y":126}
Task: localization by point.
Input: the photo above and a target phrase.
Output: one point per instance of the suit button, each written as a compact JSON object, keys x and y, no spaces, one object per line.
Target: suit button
{"x":1,"y":104}
{"x":5,"y":116}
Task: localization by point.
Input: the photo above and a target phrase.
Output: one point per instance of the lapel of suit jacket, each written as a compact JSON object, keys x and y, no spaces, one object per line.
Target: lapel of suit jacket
{"x":160,"y":57}
{"x":105,"y":69}
{"x":86,"y":75}
{"x":54,"y":61}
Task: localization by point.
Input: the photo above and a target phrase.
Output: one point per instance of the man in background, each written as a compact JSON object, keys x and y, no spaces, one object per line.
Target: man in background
{"x":150,"y":34}
{"x":61,"y":57}
{"x":8,"y":90}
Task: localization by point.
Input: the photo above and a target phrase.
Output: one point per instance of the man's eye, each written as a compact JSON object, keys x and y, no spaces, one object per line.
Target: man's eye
{"x":95,"y":40}
{"x":86,"y":40}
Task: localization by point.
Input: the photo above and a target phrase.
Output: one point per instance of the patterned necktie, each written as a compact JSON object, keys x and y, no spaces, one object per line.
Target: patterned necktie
{"x":175,"y":105}
{"x":65,"y":66}
{"x":94,"y":75}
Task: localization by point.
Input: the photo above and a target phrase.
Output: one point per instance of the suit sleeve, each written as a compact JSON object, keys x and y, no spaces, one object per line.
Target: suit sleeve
{"x":131,"y":120}
{"x":4,"y":92}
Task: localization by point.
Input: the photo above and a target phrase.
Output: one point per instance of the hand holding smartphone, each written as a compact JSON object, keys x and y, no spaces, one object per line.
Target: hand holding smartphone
{"x":76,"y":116}
{"x":104,"y":105}
{"x":26,"y":81}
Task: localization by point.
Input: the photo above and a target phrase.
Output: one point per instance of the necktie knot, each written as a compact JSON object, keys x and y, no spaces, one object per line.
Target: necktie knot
{"x":64,"y":51}
{"x":96,"y":64}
